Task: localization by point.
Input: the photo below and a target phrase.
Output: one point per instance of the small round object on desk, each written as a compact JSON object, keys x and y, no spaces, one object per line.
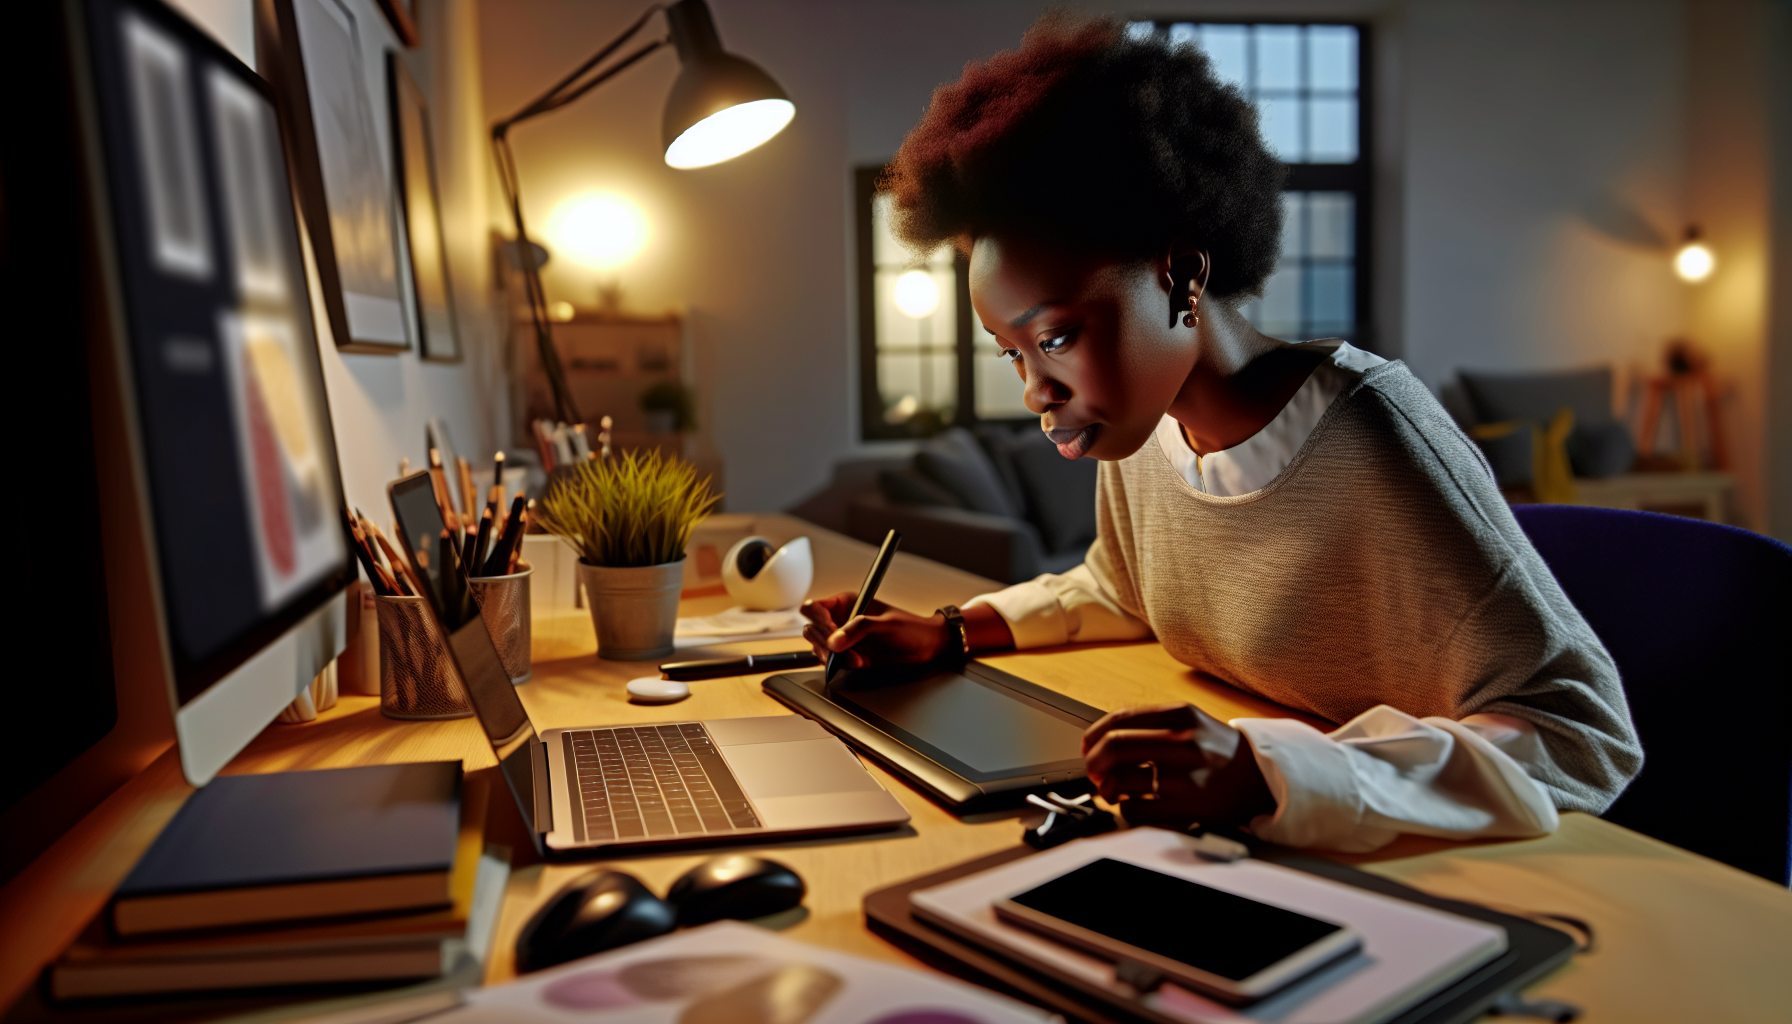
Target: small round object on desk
{"x":654,"y":690}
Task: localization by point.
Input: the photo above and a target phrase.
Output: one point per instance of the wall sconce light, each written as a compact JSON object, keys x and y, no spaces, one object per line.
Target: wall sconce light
{"x":599,"y":231}
{"x":1694,"y":262}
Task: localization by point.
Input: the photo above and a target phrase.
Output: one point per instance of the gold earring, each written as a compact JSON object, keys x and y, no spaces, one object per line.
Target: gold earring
{"x":1196,"y":287}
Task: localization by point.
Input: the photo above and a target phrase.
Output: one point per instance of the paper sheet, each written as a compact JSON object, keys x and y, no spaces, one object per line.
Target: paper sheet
{"x":732,"y":973}
{"x":734,"y":625}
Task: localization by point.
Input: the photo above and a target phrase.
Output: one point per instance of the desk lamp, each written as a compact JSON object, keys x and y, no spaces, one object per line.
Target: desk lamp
{"x":720,"y":107}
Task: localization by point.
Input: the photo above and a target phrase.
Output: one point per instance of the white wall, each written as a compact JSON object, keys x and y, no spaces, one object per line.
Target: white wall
{"x":1531,"y":164}
{"x":379,"y":403}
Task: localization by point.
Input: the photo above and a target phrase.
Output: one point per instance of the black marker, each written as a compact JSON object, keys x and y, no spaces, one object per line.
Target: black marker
{"x":867,"y":592}
{"x":716,"y":668}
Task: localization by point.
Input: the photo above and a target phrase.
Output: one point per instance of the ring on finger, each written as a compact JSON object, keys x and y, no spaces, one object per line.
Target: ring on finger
{"x":1150,"y":766}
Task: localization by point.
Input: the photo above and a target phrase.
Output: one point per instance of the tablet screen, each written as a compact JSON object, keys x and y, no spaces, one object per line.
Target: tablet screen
{"x":989,"y":729}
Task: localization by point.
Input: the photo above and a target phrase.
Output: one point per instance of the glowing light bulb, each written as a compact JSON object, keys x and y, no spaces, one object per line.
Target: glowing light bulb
{"x":599,"y":231}
{"x":728,"y":133}
{"x":560,"y":312}
{"x":1694,"y":262}
{"x":917,"y":295}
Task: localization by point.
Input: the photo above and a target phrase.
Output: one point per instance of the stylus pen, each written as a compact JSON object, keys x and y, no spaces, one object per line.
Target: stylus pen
{"x":867,"y":592}
{"x":716,"y":668}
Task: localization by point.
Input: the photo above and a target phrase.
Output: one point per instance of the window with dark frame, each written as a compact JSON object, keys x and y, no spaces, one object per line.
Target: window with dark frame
{"x":924,"y":361}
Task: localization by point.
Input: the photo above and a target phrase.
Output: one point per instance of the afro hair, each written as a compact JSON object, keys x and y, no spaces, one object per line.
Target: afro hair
{"x":1090,"y":138}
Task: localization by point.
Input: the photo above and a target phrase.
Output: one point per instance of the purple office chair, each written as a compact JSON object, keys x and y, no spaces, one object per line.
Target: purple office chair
{"x":1698,"y":617}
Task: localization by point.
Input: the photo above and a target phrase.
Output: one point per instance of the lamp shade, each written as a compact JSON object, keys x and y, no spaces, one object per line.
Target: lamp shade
{"x":720,"y":106}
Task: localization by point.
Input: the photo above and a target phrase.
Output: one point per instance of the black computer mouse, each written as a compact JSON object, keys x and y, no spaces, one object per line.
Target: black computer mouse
{"x":600,"y":911}
{"x":734,"y":885}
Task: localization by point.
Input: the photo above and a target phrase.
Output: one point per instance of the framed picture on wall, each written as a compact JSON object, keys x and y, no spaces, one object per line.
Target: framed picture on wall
{"x":340,"y":167}
{"x":414,"y":165}
{"x":403,"y":16}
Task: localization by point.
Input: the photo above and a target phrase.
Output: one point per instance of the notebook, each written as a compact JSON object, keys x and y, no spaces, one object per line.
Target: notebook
{"x":389,"y":947}
{"x":1409,"y":951}
{"x":287,"y":846}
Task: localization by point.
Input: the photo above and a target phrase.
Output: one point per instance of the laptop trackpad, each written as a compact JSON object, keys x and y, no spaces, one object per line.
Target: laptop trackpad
{"x":798,"y":768}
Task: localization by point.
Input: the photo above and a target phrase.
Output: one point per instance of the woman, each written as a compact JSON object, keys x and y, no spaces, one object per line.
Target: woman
{"x":1302,"y":521}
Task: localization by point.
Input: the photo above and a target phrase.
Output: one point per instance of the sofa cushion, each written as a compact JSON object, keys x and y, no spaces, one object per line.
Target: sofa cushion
{"x":906,"y":485}
{"x":997,"y":439}
{"x":1599,"y":444}
{"x":955,"y":461}
{"x":1060,"y":492}
{"x":1601,"y":449}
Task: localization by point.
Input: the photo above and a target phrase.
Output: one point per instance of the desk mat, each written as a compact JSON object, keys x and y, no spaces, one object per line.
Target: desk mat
{"x":1535,"y":949}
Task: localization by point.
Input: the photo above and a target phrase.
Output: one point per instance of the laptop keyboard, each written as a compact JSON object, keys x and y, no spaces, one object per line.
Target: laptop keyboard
{"x":648,"y":781}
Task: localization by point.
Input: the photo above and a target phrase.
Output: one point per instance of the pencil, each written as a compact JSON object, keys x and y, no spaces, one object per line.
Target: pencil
{"x":516,"y":549}
{"x":438,"y":481}
{"x":468,"y":502}
{"x":376,"y":577}
{"x":498,"y":470}
{"x":399,"y":563}
{"x":390,"y":572}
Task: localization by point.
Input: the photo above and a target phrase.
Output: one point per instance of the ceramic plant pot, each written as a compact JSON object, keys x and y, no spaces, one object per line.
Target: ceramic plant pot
{"x":634,"y":610}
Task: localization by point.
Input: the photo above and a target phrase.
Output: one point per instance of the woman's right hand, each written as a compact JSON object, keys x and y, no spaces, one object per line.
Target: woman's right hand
{"x":883,"y":636}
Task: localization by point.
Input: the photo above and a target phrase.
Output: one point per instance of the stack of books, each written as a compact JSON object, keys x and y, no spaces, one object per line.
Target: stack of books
{"x":360,"y":875}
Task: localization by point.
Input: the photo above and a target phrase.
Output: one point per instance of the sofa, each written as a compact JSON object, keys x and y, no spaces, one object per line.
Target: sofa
{"x":998,"y":501}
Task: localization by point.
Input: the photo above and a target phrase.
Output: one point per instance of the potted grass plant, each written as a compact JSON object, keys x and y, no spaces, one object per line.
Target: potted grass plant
{"x":629,"y":518}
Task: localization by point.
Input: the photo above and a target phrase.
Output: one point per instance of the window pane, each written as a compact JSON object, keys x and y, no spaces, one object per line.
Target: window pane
{"x":1225,"y":46}
{"x":903,"y":381}
{"x":998,"y":387}
{"x":1185,"y":34}
{"x":1294,"y":235}
{"x":1141,"y":29}
{"x":1278,"y":57}
{"x":1332,"y":312}
{"x":1281,"y":305}
{"x":1332,"y":129}
{"x":1331,"y":224}
{"x":1331,"y":57}
{"x":1280,"y":121}
{"x":917,"y":364}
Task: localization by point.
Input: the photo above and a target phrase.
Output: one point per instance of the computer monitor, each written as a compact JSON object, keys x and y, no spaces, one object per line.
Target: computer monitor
{"x":225,"y":553}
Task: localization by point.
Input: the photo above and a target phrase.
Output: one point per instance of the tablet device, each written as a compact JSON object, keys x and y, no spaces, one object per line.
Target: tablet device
{"x":1159,"y":926}
{"x":968,"y":737}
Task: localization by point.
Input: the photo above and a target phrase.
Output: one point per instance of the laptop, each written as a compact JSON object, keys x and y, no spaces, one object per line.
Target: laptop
{"x":608,"y":786}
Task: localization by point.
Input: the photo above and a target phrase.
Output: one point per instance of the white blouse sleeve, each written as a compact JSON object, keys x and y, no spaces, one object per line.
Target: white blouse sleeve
{"x":1067,"y":609}
{"x":1385,"y":772}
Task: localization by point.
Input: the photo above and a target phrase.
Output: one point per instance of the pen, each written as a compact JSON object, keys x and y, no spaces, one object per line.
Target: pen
{"x":867,"y":592}
{"x":481,"y":539}
{"x":499,"y":560}
{"x":516,"y":546}
{"x":715,"y":668}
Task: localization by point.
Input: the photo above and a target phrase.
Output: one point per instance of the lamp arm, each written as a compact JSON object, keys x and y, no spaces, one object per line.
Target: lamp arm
{"x":610,"y":72}
{"x":542,"y":104}
{"x":554,"y":98}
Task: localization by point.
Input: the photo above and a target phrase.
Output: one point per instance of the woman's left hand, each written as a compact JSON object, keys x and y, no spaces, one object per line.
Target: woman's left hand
{"x":1202,"y":770}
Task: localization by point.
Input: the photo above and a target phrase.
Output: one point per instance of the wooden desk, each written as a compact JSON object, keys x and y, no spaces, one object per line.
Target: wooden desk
{"x":1681,"y":938}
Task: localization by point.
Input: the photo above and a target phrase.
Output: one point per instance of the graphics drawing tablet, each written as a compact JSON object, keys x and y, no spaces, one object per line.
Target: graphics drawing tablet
{"x":968,"y":737}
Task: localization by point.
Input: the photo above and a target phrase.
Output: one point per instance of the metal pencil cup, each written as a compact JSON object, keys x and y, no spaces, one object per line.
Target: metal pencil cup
{"x":504,"y":603}
{"x":417,"y":679}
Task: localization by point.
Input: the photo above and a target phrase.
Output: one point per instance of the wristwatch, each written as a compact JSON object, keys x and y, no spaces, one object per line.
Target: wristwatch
{"x":958,"y":642}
